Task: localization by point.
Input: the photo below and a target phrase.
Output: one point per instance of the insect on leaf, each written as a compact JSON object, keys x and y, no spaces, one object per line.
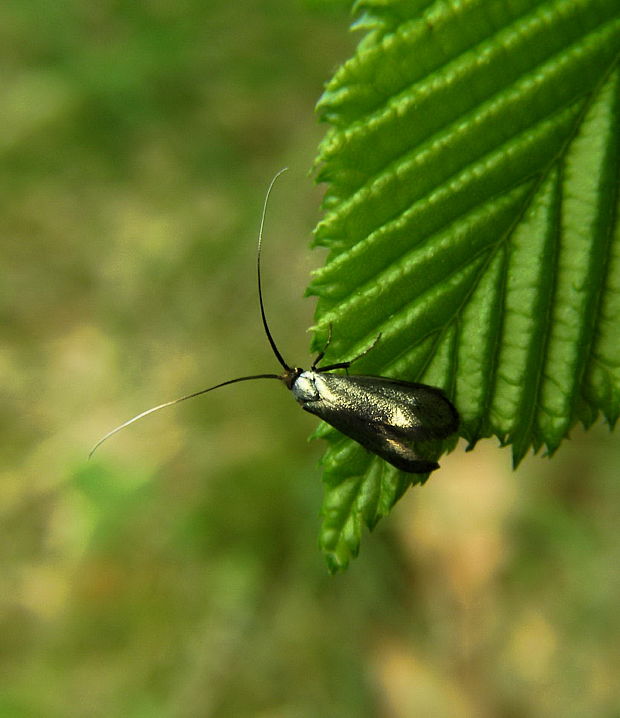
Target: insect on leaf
{"x":471,"y":217}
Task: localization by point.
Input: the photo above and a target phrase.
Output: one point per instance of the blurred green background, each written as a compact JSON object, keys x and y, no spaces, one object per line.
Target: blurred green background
{"x":177,"y":573}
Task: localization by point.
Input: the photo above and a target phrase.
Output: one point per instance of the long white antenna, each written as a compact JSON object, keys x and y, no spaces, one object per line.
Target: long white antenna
{"x":176,"y":401}
{"x":230,"y":381}
{"x":275,"y":349}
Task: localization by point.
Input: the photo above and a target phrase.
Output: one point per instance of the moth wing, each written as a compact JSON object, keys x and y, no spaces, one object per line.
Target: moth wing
{"x":431,"y":414}
{"x":377,"y":438}
{"x":403,"y":457}
{"x":411,"y":410}
{"x":381,"y":413}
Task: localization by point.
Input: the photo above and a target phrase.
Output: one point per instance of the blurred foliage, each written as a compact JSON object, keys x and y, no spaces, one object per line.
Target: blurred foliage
{"x":177,"y":573}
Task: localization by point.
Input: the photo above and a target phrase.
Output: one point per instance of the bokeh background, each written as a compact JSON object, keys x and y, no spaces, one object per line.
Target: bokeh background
{"x":177,"y":573}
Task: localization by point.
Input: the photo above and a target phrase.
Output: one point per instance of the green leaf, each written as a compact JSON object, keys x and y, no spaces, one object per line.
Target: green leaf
{"x":471,"y":213}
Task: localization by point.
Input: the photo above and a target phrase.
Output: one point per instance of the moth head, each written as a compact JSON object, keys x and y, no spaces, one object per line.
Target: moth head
{"x":304,"y":386}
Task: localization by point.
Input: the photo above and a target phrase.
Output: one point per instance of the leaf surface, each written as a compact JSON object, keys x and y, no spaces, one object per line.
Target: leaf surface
{"x":471,"y":213}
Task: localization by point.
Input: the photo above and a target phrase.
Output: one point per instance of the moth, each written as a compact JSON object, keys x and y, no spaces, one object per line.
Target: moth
{"x":384,"y":415}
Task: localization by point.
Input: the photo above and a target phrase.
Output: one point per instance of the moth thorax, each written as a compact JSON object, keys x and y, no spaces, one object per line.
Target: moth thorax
{"x":304,"y":388}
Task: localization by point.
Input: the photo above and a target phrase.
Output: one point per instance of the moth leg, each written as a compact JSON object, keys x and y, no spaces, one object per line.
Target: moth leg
{"x":321,"y":354}
{"x":345,"y":364}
